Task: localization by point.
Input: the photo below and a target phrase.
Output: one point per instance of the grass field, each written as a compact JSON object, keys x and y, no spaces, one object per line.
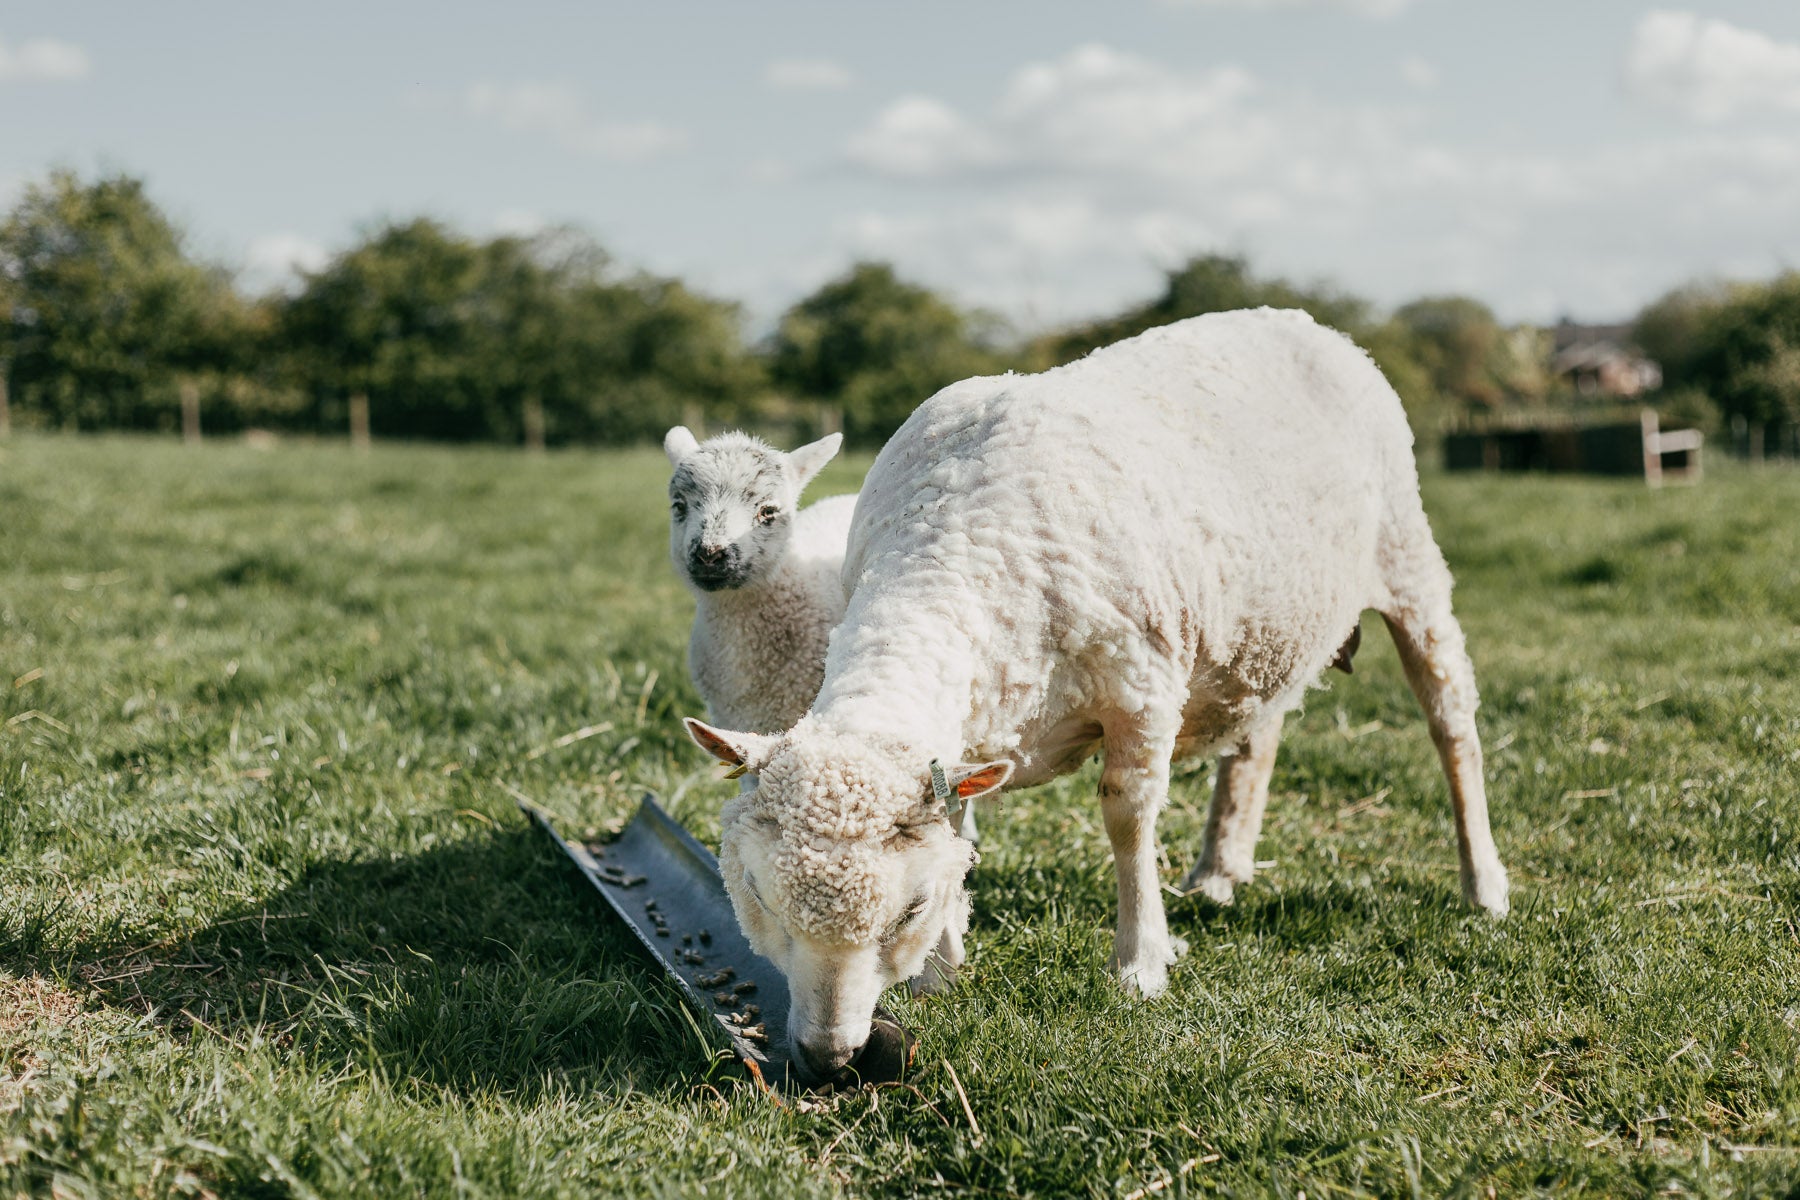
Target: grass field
{"x":270,"y":924}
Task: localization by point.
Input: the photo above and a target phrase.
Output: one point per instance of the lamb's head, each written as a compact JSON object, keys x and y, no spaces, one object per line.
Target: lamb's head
{"x":843,"y":869}
{"x":731,"y":504}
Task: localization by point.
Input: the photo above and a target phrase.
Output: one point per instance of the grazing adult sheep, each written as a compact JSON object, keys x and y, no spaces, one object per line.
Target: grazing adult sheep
{"x":767,"y":575}
{"x":1150,"y":554}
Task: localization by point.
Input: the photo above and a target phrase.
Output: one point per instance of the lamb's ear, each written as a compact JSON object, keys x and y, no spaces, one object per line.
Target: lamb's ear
{"x":969,"y":780}
{"x":678,"y":443}
{"x":811,"y":458}
{"x":747,"y":750}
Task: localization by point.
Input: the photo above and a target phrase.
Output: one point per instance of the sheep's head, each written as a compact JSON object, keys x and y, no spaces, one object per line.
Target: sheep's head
{"x":731,"y":504}
{"x":843,"y":870}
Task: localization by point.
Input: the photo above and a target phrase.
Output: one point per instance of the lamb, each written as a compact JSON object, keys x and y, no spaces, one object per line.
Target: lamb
{"x":766,"y":575}
{"x":1150,"y":554}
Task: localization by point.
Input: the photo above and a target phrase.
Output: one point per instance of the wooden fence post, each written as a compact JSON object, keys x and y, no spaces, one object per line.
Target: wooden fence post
{"x":190,"y":412}
{"x":534,"y":425}
{"x":359,"y":420}
{"x":5,"y":407}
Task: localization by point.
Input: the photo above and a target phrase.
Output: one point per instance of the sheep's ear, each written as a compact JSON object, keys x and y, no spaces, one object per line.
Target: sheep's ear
{"x":678,"y":443}
{"x":969,"y":780}
{"x":811,"y":458}
{"x":749,"y":751}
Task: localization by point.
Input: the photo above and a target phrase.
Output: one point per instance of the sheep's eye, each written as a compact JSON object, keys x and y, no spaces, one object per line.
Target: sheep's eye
{"x":907,"y":918}
{"x":678,"y":509}
{"x":766,"y":514}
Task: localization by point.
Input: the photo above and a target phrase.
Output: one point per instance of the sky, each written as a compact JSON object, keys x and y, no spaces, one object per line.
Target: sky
{"x":1044,"y":160}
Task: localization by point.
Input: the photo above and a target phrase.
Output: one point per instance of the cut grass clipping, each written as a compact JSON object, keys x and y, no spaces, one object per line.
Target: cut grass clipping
{"x":272,"y":926}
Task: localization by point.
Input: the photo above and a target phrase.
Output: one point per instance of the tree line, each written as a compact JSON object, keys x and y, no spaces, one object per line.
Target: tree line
{"x":108,"y":320}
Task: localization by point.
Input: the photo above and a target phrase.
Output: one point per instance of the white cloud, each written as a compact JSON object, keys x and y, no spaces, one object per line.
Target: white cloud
{"x":1418,"y":73}
{"x":807,"y":75}
{"x":1089,"y":172}
{"x":560,"y":113}
{"x":1378,"y":9}
{"x":276,"y":260}
{"x":1019,"y":256}
{"x":1710,"y":69}
{"x":920,"y":137}
{"x":43,"y":60}
{"x":1128,"y":124}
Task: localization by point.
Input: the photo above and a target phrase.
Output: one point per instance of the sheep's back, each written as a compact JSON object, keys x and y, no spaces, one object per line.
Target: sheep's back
{"x":1199,"y":505}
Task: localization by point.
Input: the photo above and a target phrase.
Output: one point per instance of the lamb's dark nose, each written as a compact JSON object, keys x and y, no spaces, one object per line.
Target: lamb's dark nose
{"x":710,"y":556}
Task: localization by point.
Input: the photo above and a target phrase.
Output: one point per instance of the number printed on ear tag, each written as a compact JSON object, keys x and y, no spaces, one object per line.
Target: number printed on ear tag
{"x":940,"y":787}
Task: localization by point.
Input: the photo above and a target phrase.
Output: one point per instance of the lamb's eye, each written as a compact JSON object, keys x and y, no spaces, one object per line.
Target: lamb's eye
{"x":678,"y":509}
{"x":766,"y":514}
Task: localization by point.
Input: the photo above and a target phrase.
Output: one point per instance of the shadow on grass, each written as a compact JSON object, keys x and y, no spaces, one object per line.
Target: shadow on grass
{"x":1407,"y":914}
{"x":481,"y":966}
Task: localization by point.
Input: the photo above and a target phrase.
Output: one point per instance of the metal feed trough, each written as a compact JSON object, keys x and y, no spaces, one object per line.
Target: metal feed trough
{"x":667,"y":889}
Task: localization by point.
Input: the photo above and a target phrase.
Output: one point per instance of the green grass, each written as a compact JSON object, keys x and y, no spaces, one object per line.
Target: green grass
{"x":270,"y":925}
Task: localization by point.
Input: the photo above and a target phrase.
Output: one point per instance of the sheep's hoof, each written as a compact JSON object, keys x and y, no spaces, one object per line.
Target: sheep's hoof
{"x":1216,"y":887}
{"x":1146,"y":981}
{"x":1487,"y":892}
{"x":1147,"y":976}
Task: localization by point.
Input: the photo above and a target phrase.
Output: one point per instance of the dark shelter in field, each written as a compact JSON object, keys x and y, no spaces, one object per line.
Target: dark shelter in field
{"x":1638,"y":448}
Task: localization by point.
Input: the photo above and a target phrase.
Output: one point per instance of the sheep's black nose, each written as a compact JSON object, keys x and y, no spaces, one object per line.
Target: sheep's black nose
{"x":711,"y":556}
{"x":824,"y":1060}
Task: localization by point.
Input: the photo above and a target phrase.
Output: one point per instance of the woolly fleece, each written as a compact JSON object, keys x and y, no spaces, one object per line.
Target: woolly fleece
{"x":1149,"y":553}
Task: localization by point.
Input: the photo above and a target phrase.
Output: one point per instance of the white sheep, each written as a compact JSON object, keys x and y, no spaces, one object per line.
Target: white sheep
{"x":1150,"y":554}
{"x":767,"y":576}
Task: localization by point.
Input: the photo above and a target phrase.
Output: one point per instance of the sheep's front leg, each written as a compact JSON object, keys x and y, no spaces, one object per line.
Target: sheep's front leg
{"x":1228,"y":855}
{"x":1134,"y":785}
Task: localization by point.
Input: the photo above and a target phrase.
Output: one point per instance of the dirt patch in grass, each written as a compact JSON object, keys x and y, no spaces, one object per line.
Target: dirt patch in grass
{"x":27,"y":1006}
{"x":33,"y":1000}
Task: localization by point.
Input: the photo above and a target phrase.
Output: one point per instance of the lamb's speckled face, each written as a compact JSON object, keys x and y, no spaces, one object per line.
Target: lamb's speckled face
{"x":731,"y":504}
{"x":844,"y":872}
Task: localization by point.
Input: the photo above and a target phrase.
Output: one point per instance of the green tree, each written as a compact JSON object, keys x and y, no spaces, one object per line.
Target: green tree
{"x":511,"y":339}
{"x":1470,"y":358}
{"x":1207,"y":284}
{"x":877,"y":346}
{"x":1747,"y":355}
{"x":534,"y":348}
{"x":674,"y":353}
{"x":108,"y":315}
{"x":394,"y":319}
{"x":1221,"y":283}
{"x":1670,"y":329}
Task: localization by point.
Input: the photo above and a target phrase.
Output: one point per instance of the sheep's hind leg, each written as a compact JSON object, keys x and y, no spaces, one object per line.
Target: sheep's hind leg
{"x":1437,"y":666}
{"x":1134,"y":785}
{"x":1233,"y":823}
